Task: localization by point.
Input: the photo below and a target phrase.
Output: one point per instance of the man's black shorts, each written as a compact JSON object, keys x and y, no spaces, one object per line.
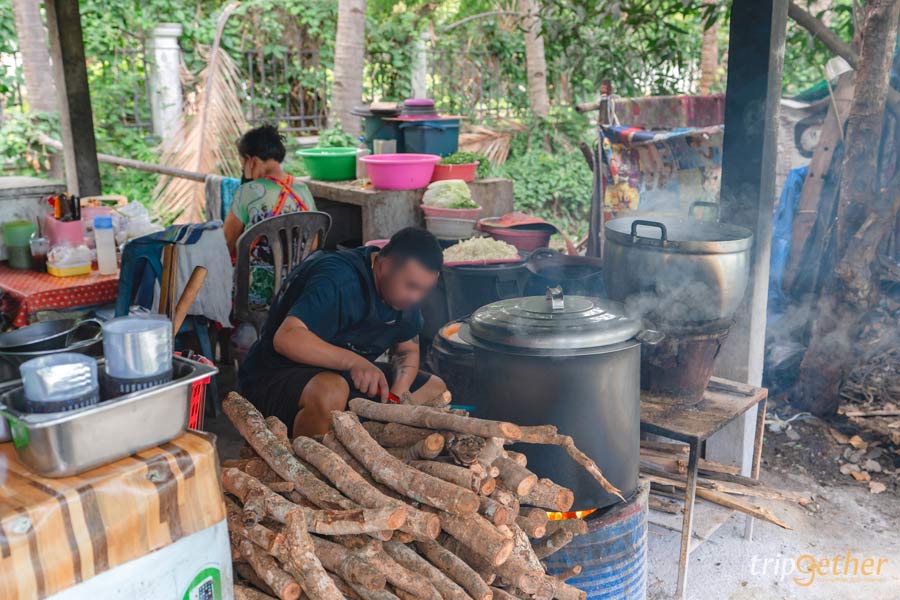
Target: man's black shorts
{"x":278,"y":393}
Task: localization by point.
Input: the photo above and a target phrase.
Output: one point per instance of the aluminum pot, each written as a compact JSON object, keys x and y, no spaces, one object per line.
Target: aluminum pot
{"x":47,"y":335}
{"x":676,"y":269}
{"x":572,"y":362}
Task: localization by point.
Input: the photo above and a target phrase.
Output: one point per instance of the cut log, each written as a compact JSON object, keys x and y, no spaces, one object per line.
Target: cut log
{"x":465,"y":448}
{"x":251,"y":425}
{"x":493,"y":511}
{"x":515,"y":477}
{"x":245,"y":573}
{"x":242,"y":592}
{"x":457,"y":475}
{"x":501,"y":594}
{"x":666,"y":506}
{"x":576,"y":526}
{"x":515,"y":570}
{"x":439,"y":401}
{"x":533,"y":522}
{"x":278,"y":427}
{"x":402,"y":578}
{"x":354,"y":486}
{"x":323,"y":522}
{"x":427,"y":448}
{"x":395,"y":435}
{"x":398,"y":476}
{"x":254,"y":508}
{"x":280,"y":487}
{"x":573,"y":571}
{"x":407,"y":557}
{"x":517,"y":457}
{"x":552,"y":543}
{"x":549,"y":495}
{"x":263,"y":537}
{"x":509,"y":500}
{"x":455,"y":568}
{"x":432,"y":418}
{"x":304,"y":562}
{"x":479,"y":535}
{"x":488,"y":485}
{"x":352,"y":568}
{"x":268,"y":570}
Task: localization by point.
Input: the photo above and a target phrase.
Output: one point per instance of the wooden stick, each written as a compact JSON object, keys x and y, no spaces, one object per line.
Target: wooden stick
{"x":427,"y":448}
{"x":278,"y":427}
{"x":455,"y":568}
{"x":432,"y":418}
{"x":552,"y":543}
{"x":268,"y":570}
{"x":493,"y":511}
{"x":395,"y":435}
{"x":400,"y":477}
{"x":515,"y":476}
{"x":246,"y":573}
{"x":478,"y":535}
{"x":460,"y":476}
{"x":501,"y":594}
{"x":351,"y":567}
{"x":418,"y":523}
{"x":576,"y":526}
{"x":515,"y":570}
{"x":402,"y":578}
{"x":533,"y":522}
{"x":251,"y":425}
{"x":407,"y":557}
{"x":509,"y":500}
{"x":315,"y":582}
{"x":245,"y":593}
{"x":573,"y":571}
{"x":549,"y":495}
{"x":324,"y":522}
{"x":517,"y":457}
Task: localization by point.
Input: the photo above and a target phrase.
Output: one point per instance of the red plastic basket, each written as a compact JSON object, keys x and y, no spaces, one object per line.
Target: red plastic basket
{"x":198,"y":395}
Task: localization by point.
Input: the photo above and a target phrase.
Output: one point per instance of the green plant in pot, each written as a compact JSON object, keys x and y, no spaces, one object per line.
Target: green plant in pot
{"x":460,"y":165}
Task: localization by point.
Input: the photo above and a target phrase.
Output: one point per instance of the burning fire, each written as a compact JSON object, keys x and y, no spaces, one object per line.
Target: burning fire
{"x":562,"y":516}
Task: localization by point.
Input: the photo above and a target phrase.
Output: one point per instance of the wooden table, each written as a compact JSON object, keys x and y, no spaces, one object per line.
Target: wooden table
{"x":361,"y":212}
{"x":29,"y":292}
{"x":723,"y":402}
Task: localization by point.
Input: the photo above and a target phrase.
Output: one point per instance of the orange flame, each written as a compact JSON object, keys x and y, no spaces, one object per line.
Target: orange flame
{"x":562,"y":516}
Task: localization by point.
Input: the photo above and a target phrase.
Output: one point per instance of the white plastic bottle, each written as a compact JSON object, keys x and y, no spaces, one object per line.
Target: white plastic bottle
{"x":105,"y":242}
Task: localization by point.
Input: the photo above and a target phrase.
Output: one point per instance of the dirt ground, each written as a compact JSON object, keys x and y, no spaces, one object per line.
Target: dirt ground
{"x":845,"y":519}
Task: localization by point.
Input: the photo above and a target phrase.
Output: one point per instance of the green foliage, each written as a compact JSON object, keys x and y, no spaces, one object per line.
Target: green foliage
{"x":804,"y":55}
{"x":19,"y":145}
{"x":335,"y":137}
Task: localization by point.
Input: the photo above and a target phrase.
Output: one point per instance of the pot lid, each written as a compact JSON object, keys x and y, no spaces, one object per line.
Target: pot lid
{"x":553,"y":322}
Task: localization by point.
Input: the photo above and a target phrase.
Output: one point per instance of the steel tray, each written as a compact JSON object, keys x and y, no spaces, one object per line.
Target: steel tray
{"x":68,"y":443}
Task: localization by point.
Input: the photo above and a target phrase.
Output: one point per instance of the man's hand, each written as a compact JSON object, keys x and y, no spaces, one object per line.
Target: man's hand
{"x":369,"y":379}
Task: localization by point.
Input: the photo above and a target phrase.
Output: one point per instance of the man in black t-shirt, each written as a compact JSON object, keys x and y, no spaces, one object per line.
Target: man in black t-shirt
{"x":335,"y":314}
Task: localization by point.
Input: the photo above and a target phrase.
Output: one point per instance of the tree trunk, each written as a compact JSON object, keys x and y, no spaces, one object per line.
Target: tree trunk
{"x":349,"y":59}
{"x":535,"y":63}
{"x":864,"y":215}
{"x":40,"y":93}
{"x":709,"y":56}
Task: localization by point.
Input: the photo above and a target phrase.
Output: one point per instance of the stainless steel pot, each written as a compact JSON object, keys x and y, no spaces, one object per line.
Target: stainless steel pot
{"x":573,"y":362}
{"x":47,"y":335}
{"x":676,"y":269}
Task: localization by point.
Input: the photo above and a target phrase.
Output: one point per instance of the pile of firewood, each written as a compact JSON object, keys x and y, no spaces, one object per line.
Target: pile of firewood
{"x":417,"y":502}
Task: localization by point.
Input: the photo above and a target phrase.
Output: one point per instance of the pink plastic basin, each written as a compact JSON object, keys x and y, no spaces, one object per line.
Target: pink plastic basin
{"x":451,"y":213}
{"x":526,"y":240}
{"x":465,"y":172}
{"x":400,"y":171}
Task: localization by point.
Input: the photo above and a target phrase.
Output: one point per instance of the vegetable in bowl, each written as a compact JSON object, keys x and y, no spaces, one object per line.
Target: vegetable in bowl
{"x":449,"y":193}
{"x":467,"y":158}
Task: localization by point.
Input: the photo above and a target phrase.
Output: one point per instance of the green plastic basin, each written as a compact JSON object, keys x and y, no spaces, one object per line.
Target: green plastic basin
{"x":330,"y":164}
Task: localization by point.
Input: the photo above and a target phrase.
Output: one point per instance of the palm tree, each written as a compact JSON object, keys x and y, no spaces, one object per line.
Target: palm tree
{"x":349,"y":59}
{"x":709,"y":55}
{"x":40,"y":93}
{"x":535,"y":62}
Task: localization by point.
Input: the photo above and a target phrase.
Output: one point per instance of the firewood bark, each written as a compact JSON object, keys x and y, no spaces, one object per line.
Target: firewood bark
{"x":324,"y":522}
{"x":549,"y":495}
{"x":242,"y":592}
{"x":573,"y":571}
{"x":548,"y":434}
{"x":407,"y":557}
{"x":576,"y":526}
{"x":352,"y":568}
{"x":277,"y":427}
{"x":501,"y":594}
{"x":402,"y":578}
{"x":493,"y":511}
{"x":455,"y":568}
{"x":552,"y":543}
{"x":517,"y":457}
{"x":509,"y":500}
{"x":313,"y":579}
{"x":515,"y":570}
{"x":465,"y":448}
{"x":395,"y":435}
{"x":426,"y":449}
{"x":354,"y":486}
{"x":479,"y":535}
{"x":245,"y":572}
{"x":268,"y":570}
{"x":516,"y":477}
{"x":263,"y":537}
{"x":488,"y":485}
{"x":254,"y":508}
{"x":454,"y":474}
{"x":423,"y":416}
{"x":400,"y":477}
{"x":251,"y":425}
{"x":533,"y":522}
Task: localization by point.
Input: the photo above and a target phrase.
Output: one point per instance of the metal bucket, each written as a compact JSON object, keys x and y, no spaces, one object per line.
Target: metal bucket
{"x":613,"y":554}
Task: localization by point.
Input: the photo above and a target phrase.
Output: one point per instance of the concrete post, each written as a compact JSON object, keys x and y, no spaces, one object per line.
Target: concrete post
{"x":419,"y":75}
{"x":164,"y":61}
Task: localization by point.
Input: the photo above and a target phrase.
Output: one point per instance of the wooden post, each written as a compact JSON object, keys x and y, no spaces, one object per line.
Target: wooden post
{"x":76,"y":118}
{"x":747,"y":197}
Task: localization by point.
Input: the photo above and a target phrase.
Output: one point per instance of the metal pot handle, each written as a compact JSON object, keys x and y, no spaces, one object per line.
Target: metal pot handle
{"x":72,"y":331}
{"x":651,"y":337}
{"x":664,"y":234}
{"x":555,"y":298}
{"x":704,"y":204}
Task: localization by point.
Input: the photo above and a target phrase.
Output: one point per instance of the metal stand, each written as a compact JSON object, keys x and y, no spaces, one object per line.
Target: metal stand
{"x":723,"y":402}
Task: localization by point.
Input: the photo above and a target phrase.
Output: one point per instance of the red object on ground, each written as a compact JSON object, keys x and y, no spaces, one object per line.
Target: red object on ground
{"x":464,"y":172}
{"x":392,"y":397}
{"x":30,"y":292}
{"x":524,"y":231}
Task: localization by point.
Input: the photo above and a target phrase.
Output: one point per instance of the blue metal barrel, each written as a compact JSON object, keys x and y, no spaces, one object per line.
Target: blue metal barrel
{"x":613,"y":554}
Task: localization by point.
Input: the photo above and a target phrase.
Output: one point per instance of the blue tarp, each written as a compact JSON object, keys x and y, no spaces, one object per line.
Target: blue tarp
{"x":782,"y":229}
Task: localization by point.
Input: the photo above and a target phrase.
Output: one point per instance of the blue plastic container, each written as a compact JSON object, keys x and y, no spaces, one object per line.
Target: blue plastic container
{"x":439,"y":136}
{"x":613,"y":554}
{"x":378,"y":128}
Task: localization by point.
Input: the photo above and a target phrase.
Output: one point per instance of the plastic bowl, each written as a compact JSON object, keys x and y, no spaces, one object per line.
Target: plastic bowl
{"x":450,"y":229}
{"x":330,"y":164}
{"x":526,"y":240}
{"x":451,"y":213}
{"x":400,"y":171}
{"x":465,"y":172}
